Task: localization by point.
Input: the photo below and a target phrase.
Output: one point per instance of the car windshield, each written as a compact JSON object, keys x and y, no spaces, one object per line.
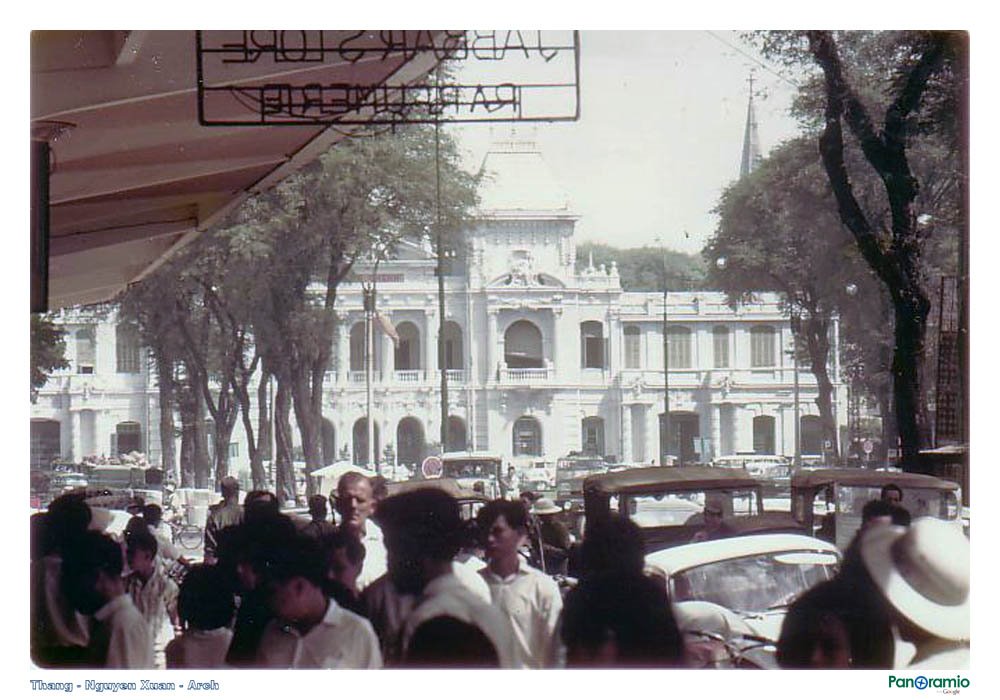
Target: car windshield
{"x":665,"y":510}
{"x":754,"y":583}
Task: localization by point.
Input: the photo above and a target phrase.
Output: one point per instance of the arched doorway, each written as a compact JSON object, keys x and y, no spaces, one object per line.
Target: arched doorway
{"x":527,"y":437}
{"x":763,"y":435}
{"x":329,"y":437}
{"x":456,"y":435}
{"x":523,"y":345}
{"x":45,"y":438}
{"x":360,"y":435}
{"x":685,"y":429}
{"x":357,"y":350}
{"x":410,"y":446}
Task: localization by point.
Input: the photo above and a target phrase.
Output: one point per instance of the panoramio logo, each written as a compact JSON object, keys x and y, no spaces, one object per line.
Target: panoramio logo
{"x":924,"y":682}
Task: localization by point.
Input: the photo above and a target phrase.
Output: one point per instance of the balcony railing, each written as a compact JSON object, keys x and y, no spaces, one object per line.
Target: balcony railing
{"x":457,"y":376}
{"x":524,"y":375}
{"x":409,"y":376}
{"x":356,"y":377}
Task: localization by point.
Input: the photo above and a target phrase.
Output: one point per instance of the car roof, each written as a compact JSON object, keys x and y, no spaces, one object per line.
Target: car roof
{"x":471,"y":455}
{"x":807,"y":477}
{"x":646,"y":479}
{"x":448,"y":485}
{"x":685,"y":556}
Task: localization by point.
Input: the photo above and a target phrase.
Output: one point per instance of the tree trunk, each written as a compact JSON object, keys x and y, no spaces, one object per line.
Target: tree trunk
{"x":202,"y":462}
{"x":308,"y":416}
{"x":911,"y":416}
{"x":265,"y":435}
{"x":187,"y":449}
{"x":818,"y":343}
{"x":284,"y":466}
{"x":165,"y":384}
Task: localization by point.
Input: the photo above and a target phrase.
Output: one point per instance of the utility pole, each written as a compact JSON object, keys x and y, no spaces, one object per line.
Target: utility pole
{"x":442,"y":368}
{"x":665,"y":438}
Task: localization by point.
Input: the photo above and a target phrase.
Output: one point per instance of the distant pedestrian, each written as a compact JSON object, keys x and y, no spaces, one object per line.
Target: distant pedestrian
{"x":554,"y":538}
{"x":92,"y":578}
{"x":355,"y":502}
{"x":345,"y":557}
{"x":205,"y":607}
{"x":891,"y":493}
{"x":318,"y":526}
{"x":152,"y":591}
{"x":529,"y":598}
{"x":222,"y":515}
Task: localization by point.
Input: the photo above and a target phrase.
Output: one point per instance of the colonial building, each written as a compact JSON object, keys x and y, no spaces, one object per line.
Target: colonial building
{"x":541,"y":358}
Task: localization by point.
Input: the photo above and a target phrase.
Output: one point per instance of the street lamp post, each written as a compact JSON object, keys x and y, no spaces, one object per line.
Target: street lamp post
{"x":665,"y":441}
{"x":368,"y":291}
{"x":441,"y":255}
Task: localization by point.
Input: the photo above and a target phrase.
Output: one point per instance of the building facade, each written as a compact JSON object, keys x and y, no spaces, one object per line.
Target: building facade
{"x":541,"y":358}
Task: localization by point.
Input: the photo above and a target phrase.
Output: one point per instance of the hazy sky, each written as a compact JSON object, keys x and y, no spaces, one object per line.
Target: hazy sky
{"x":659,"y":136}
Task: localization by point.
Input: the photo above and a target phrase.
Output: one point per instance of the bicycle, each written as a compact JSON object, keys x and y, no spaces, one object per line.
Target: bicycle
{"x":184,"y":534}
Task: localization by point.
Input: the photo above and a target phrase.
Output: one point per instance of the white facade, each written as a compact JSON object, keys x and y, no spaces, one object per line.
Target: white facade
{"x":542,"y":360}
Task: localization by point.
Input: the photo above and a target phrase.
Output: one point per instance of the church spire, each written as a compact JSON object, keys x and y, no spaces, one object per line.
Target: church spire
{"x":751,"y":143}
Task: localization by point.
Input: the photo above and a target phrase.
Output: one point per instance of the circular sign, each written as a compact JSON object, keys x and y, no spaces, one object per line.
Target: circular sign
{"x":867,"y":446}
{"x":432,"y":467}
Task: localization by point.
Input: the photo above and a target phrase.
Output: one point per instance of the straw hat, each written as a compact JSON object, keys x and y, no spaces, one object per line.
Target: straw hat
{"x":545,"y":506}
{"x":923,"y":571}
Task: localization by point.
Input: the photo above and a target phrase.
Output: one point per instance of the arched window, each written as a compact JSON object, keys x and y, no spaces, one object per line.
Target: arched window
{"x":633,"y":347}
{"x":408,"y":347}
{"x":592,"y":353}
{"x":811,"y":435}
{"x":763,"y":435}
{"x":127,"y":348}
{"x":329,"y":438}
{"x":128,"y":438}
{"x":453,"y":351}
{"x":85,"y":351}
{"x":679,"y":347}
{"x":593,"y":435}
{"x":523,"y":345}
{"x":720,"y":347}
{"x":410,"y":447}
{"x":360,"y":435}
{"x":762,"y":346}
{"x":527,"y":437}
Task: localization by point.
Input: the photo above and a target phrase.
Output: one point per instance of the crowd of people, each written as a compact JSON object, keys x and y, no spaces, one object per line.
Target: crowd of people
{"x":405,"y":582}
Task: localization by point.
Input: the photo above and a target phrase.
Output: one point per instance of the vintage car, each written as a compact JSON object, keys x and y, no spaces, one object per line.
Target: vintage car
{"x":667,"y":502}
{"x":842,"y":493}
{"x":469,"y":501}
{"x":773,"y":470}
{"x":472,"y":469}
{"x":730,"y":596}
{"x":570,"y":473}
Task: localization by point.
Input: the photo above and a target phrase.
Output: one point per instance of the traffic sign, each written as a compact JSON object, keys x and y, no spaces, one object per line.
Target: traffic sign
{"x":867,"y":446}
{"x":432,"y":467}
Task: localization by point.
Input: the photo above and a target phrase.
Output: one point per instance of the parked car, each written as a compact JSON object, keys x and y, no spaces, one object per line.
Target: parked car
{"x":842,"y":493}
{"x":732,"y":595}
{"x":774,"y":470}
{"x":667,"y":502}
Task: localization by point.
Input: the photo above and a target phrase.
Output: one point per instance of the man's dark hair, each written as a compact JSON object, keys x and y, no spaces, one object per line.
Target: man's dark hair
{"x":136,"y":523}
{"x":67,"y":518}
{"x":875,"y":509}
{"x":801,"y":632}
{"x":229,"y":487}
{"x":428,"y":518}
{"x":298,"y":557}
{"x":93,"y":552}
{"x":317,"y":506}
{"x":152,"y":513}
{"x":513,"y":512}
{"x":345,"y":539}
{"x":529,"y":495}
{"x":629,"y":609}
{"x":205,"y":601}
{"x":141,"y":539}
{"x":613,"y":544}
{"x":890,"y":487}
{"x":446,"y":642}
{"x":259,"y":505}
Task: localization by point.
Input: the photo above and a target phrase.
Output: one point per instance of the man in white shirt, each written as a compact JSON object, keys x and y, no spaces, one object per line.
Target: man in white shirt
{"x":529,"y":598}
{"x":92,"y":577}
{"x":450,"y":624}
{"x":310,"y":630}
{"x":355,"y":504}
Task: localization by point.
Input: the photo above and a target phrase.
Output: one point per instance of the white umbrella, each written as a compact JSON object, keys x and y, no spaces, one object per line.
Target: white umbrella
{"x":329,"y":476}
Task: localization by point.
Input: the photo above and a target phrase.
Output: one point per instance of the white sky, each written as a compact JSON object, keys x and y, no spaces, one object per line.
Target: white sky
{"x":659,"y":136}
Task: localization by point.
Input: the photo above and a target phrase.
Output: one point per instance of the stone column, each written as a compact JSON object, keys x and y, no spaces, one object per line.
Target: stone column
{"x":343,"y":349}
{"x":652,"y":434}
{"x":388,"y":359}
{"x":492,"y":347}
{"x":626,"y":438}
{"x":76,"y":448}
{"x":430,"y":344}
{"x":715,"y":411}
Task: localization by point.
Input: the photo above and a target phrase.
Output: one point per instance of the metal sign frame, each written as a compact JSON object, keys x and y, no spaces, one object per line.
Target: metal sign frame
{"x":271,"y":103}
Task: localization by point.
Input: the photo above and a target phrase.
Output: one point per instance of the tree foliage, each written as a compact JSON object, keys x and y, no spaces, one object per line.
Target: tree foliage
{"x":641,"y":269}
{"x":48,"y":351}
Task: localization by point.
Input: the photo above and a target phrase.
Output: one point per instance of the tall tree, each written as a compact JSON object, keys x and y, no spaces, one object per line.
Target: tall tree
{"x":915,"y":81}
{"x":641,"y":269}
{"x":48,"y":351}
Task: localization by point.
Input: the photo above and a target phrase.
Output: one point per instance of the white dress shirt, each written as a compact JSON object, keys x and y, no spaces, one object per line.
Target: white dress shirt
{"x":199,"y":648}
{"x":531,"y":601}
{"x":120,"y":629}
{"x":341,"y":639}
{"x":375,"y":563}
{"x":447,"y":596}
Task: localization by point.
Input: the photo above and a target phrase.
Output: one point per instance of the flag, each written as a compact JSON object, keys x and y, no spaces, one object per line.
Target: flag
{"x":386,"y":325}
